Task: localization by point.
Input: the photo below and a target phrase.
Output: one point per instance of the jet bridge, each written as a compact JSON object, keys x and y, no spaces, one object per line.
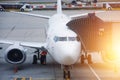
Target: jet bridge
{"x":94,"y":33}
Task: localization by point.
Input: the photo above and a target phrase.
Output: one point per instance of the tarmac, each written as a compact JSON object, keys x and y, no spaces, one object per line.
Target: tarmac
{"x":26,"y":28}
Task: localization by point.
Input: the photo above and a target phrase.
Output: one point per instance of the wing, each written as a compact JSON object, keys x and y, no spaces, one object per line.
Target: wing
{"x":34,"y":15}
{"x":33,"y":44}
{"x":24,"y":44}
{"x":82,"y":15}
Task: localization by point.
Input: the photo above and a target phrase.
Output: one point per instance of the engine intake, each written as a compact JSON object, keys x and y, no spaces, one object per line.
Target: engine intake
{"x":15,"y":55}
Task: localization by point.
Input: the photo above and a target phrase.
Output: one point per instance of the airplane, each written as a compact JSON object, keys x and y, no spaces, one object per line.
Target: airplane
{"x":62,"y":43}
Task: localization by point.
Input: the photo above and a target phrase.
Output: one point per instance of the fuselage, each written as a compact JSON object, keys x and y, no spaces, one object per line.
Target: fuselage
{"x":62,"y":42}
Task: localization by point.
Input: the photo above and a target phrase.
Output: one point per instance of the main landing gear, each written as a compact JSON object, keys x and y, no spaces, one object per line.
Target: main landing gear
{"x":66,"y":72}
{"x":87,"y":57}
{"x":35,"y":59}
{"x":41,"y":55}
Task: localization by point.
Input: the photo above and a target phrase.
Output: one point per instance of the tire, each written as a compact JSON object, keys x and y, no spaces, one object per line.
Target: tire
{"x":43,"y":59}
{"x":66,"y":75}
{"x":69,"y":74}
{"x":22,"y":10}
{"x":34,"y":59}
{"x":89,"y":59}
{"x":82,"y":59}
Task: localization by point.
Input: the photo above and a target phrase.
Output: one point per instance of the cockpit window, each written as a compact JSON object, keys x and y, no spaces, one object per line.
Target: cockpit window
{"x":56,"y":38}
{"x":60,"y":38}
{"x":71,"y":38}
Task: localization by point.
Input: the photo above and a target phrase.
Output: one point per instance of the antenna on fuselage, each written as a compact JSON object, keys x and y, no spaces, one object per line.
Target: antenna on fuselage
{"x":59,"y":7}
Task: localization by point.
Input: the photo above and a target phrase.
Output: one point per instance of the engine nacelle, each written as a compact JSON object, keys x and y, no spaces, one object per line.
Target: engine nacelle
{"x":15,"y":54}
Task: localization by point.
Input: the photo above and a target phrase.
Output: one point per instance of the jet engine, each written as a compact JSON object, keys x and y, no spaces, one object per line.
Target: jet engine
{"x":15,"y":54}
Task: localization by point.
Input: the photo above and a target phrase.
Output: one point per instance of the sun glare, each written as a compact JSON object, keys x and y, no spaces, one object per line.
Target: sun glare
{"x":113,"y":55}
{"x":116,"y":50}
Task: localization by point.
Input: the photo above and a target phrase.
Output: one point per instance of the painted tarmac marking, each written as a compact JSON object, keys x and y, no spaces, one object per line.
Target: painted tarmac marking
{"x":98,"y":78}
{"x":23,"y":78}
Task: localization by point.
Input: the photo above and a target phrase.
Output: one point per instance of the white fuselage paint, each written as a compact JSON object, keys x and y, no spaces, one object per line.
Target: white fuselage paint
{"x":63,"y":52}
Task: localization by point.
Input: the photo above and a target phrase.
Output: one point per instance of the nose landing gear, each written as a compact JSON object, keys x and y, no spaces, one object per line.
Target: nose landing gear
{"x":66,"y":72}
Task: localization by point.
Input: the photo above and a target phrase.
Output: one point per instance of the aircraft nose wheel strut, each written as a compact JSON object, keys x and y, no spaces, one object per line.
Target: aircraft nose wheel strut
{"x":66,"y":72}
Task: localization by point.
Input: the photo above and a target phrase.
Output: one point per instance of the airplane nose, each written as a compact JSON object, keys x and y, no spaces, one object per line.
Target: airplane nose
{"x":69,"y":54}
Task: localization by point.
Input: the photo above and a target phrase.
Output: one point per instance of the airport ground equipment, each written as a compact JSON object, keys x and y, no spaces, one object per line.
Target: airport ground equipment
{"x":1,"y":8}
{"x":94,"y":33}
{"x":21,"y":7}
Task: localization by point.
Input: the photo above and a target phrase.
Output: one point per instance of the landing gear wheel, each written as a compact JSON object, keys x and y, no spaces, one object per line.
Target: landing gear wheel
{"x":89,"y":59}
{"x":82,"y":59}
{"x":34,"y":59}
{"x":43,"y":59}
{"x":66,"y":75}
